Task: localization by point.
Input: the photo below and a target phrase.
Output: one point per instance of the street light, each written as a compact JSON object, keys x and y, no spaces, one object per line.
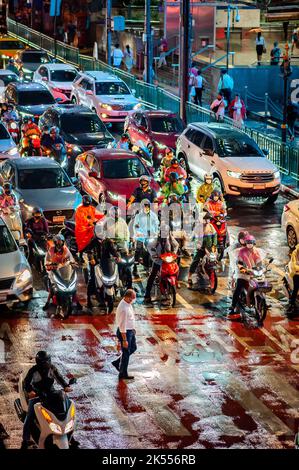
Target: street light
{"x":237,"y":19}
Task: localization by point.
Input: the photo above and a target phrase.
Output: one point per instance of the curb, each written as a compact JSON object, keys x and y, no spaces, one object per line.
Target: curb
{"x":289,"y":191}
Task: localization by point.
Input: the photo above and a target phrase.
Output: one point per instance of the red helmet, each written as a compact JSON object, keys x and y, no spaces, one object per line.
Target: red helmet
{"x":249,"y":239}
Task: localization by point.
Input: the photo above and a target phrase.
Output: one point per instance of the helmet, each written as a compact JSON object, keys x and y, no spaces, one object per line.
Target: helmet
{"x":59,"y":240}
{"x":215,"y":193}
{"x":144,"y":178}
{"x":174,"y":175}
{"x":249,"y":239}
{"x":7,"y":188}
{"x":208,"y":177}
{"x":242,"y":235}
{"x":86,"y":200}
{"x":25,"y":119}
{"x":54,"y":129}
{"x":168,"y":151}
{"x":174,"y":161}
{"x":37,"y":210}
{"x":43,"y":359}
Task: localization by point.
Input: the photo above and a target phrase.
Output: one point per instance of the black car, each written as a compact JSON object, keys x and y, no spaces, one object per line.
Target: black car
{"x":80,"y":128}
{"x":30,"y":60}
{"x":30,"y":99}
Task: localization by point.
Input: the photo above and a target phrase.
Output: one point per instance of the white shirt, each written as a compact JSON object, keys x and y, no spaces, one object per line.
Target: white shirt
{"x":125,"y":316}
{"x":260,"y":42}
{"x":117,"y":56}
{"x":198,"y":81}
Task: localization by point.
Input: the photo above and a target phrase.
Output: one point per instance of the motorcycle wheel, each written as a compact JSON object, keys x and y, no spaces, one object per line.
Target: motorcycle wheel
{"x":260,"y":308}
{"x":213,"y":281}
{"x":109,"y":303}
{"x":286,"y":288}
{"x":171,"y":293}
{"x":63,"y":311}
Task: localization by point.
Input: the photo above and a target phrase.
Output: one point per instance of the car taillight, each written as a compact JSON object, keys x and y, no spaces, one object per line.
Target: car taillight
{"x":286,"y":208}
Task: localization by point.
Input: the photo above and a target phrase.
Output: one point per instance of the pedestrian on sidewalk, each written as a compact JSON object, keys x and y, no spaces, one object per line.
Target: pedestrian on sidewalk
{"x":128,"y":58}
{"x":260,"y":47}
{"x":226,"y":85}
{"x":275,"y":54}
{"x":237,"y":111}
{"x":117,"y":56}
{"x":199,"y":86}
{"x":191,"y":84}
{"x":295,"y":38}
{"x":125,"y":324}
{"x":163,"y":49}
{"x":218,"y":107}
{"x":71,"y":32}
{"x":292,"y":115}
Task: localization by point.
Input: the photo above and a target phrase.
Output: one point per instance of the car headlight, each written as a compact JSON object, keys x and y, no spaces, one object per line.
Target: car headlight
{"x":106,"y":106}
{"x":24,"y":277}
{"x":13,"y":151}
{"x":137,"y":106}
{"x":113,"y":196}
{"x":234,"y":174}
{"x":276,"y":174}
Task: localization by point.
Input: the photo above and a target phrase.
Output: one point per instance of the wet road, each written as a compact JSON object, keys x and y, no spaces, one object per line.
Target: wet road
{"x":201,"y":381}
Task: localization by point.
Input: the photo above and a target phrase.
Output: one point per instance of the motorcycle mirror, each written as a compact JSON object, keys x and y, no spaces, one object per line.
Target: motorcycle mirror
{"x":271,"y":260}
{"x":72,"y":381}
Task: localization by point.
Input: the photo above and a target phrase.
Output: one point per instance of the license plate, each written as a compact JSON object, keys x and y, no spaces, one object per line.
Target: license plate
{"x":3,"y":297}
{"x":59,"y":219}
{"x":259,"y":186}
{"x":121,"y":114}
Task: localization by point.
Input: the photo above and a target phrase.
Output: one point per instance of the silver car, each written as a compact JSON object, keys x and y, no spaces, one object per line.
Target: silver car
{"x":41,"y":182}
{"x":15,"y":272}
{"x":7,"y":144}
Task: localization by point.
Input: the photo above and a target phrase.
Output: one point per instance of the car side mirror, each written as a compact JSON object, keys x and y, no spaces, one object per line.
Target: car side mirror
{"x":93,"y":174}
{"x":209,"y":152}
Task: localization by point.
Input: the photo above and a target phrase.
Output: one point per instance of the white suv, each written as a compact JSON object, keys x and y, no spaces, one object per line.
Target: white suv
{"x":239,"y":167}
{"x":105,"y":94}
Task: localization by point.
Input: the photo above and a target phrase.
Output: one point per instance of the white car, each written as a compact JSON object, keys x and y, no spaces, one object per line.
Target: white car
{"x":105,"y":94}
{"x":6,"y":77}
{"x":58,"y":78}
{"x":238,"y":166}
{"x":290,"y":222}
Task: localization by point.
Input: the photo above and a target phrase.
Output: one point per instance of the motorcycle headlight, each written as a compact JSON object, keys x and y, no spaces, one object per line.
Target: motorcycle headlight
{"x":106,"y":106}
{"x":75,"y":148}
{"x":55,"y":428}
{"x":13,"y":125}
{"x":276,"y":174}
{"x":137,"y":106}
{"x":13,"y":151}
{"x":24,"y":277}
{"x":234,"y":174}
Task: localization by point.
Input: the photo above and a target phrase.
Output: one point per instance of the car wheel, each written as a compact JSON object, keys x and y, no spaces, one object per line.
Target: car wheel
{"x":74,"y":101}
{"x":291,"y":238}
{"x":217,"y":184}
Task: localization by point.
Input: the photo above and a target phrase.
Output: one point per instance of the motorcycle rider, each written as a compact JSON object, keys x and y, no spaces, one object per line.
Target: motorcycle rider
{"x":35,"y":227}
{"x":294,"y":273}
{"x":143,"y":192}
{"x":39,"y":380}
{"x":175,"y":167}
{"x":116,"y":228}
{"x":215,"y":205}
{"x":12,"y":67}
{"x":206,"y":242}
{"x":85,"y":219}
{"x":173,"y":187}
{"x":46,"y":140}
{"x":7,"y":198}
{"x":28,"y":129}
{"x":165,"y":163}
{"x":205,"y":190}
{"x":163,"y":243}
{"x":11,"y":114}
{"x":124,"y":142}
{"x":248,"y":257}
{"x":145,"y":226}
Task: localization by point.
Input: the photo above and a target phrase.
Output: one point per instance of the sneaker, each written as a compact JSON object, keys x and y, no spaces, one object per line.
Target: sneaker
{"x":116,"y":364}
{"x":46,"y":306}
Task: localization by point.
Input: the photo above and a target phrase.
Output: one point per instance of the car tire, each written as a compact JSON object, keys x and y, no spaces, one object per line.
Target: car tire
{"x":217,"y":183}
{"x":74,"y":100}
{"x":291,"y":238}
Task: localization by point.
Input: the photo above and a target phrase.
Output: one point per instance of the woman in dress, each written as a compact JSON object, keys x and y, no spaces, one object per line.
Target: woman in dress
{"x":128,"y":58}
{"x":237,"y":110}
{"x":260,"y":47}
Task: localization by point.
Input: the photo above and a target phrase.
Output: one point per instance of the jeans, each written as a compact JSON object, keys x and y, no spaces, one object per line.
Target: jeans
{"x":241,"y":284}
{"x":126,"y":352}
{"x":197,"y":258}
{"x":29,"y":418}
{"x":155,"y":269}
{"x":295,"y":290}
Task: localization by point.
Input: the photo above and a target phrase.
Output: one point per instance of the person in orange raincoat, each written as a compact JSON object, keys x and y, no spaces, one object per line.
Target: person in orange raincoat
{"x":85,"y":219}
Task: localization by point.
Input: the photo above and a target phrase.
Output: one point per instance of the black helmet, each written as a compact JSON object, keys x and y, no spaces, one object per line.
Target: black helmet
{"x":174,"y":161}
{"x":7,"y":188}
{"x":86,"y":200}
{"x":37,"y":210}
{"x":43,"y":359}
{"x":215,"y":193}
{"x":25,"y":119}
{"x":242,"y":235}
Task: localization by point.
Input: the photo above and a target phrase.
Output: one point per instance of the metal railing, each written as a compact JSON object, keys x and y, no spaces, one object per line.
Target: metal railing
{"x":285,"y":156}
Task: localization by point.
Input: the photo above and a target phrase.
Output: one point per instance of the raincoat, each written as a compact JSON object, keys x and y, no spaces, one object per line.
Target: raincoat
{"x":204,"y":192}
{"x":215,"y":208}
{"x":173,"y":188}
{"x":58,"y":257}
{"x":294,"y":262}
{"x":85,"y":218}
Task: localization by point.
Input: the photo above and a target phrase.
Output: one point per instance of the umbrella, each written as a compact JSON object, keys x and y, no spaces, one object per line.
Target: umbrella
{"x":95,"y":54}
{"x":256,"y":30}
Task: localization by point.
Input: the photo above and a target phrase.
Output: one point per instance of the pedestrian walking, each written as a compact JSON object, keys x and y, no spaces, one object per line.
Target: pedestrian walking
{"x":295,"y":38}
{"x":128,"y":58}
{"x":71,"y":32}
{"x":237,"y":110}
{"x":117,"y":56}
{"x":275,"y":54}
{"x":199,"y":86}
{"x":125,"y":324}
{"x":191,"y":84}
{"x":226,"y":85}
{"x":292,"y":115}
{"x":163,"y":49}
{"x":260,"y":47}
{"x":218,"y":106}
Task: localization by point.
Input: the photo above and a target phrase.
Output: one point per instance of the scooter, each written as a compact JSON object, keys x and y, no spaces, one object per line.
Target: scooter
{"x":68,"y":231}
{"x":220,"y":225}
{"x":57,"y":153}
{"x":205,"y":277}
{"x":125,"y":269}
{"x":55,"y":417}
{"x":13,"y":129}
{"x":106,"y":281}
{"x":38,"y":250}
{"x":62,"y":282}
{"x":167,"y":281}
{"x":32,"y":145}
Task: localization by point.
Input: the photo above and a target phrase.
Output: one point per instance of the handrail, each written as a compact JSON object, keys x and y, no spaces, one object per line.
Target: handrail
{"x":216,"y":61}
{"x":209,"y":46}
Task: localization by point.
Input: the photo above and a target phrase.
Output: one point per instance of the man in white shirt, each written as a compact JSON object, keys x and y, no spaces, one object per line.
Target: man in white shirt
{"x":125,"y":323}
{"x":117,"y":56}
{"x":226,"y":85}
{"x":199,"y":82}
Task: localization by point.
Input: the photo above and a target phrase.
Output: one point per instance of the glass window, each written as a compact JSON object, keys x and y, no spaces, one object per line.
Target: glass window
{"x":197,"y":138}
{"x":166,"y":125}
{"x":43,"y":72}
{"x":95,"y":166}
{"x":35,"y":57}
{"x":11,"y":45}
{"x":242,"y":146}
{"x":143,"y":122}
{"x":126,"y":168}
{"x":88,"y":123}
{"x":208,"y":143}
{"x":32,"y":98}
{"x":112,"y":88}
{"x":4,"y":134}
{"x":43,"y":178}
{"x":6,"y":79}
{"x":7,"y":242}
{"x":63,"y":75}
{"x":89,"y":161}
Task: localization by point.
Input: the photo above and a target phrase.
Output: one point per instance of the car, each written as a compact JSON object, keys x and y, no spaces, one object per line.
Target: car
{"x":58,"y":78}
{"x":107,"y":174}
{"x":7,"y":144}
{"x":238,"y":166}
{"x":290,"y":222}
{"x":30,"y":99}
{"x":41,"y":182}
{"x":29,"y":61}
{"x":156,"y":130}
{"x":15,"y":272}
{"x":80,"y":128}
{"x":105,"y":94}
{"x":9,"y":47}
{"x":6,"y":77}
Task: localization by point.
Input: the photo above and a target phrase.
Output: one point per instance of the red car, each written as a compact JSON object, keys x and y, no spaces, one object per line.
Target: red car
{"x":110,"y":173}
{"x":154,"y":129}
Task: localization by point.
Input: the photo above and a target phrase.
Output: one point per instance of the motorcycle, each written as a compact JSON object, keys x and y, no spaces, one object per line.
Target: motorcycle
{"x":55,"y":417}
{"x":254,"y":296}
{"x":13,"y":129}
{"x":31,"y":146}
{"x":125,"y":269}
{"x":38,"y":250}
{"x":58,"y":153}
{"x":12,"y":218}
{"x":106,"y":277}
{"x":167,"y":282}
{"x":205,"y":277}
{"x":220,"y":225}
{"x":62,"y":282}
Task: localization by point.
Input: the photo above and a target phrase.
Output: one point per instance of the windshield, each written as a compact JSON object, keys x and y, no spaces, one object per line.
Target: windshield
{"x":82,"y":124}
{"x":4,"y":134}
{"x":35,"y":58}
{"x":112,"y":88}
{"x":166,"y":125}
{"x":6,"y":79}
{"x":63,"y":75}
{"x":11,"y":45}
{"x":242,"y":146}
{"x":7,"y":243}
{"x":126,"y":168}
{"x":35,"y":97}
{"x":43,"y":178}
